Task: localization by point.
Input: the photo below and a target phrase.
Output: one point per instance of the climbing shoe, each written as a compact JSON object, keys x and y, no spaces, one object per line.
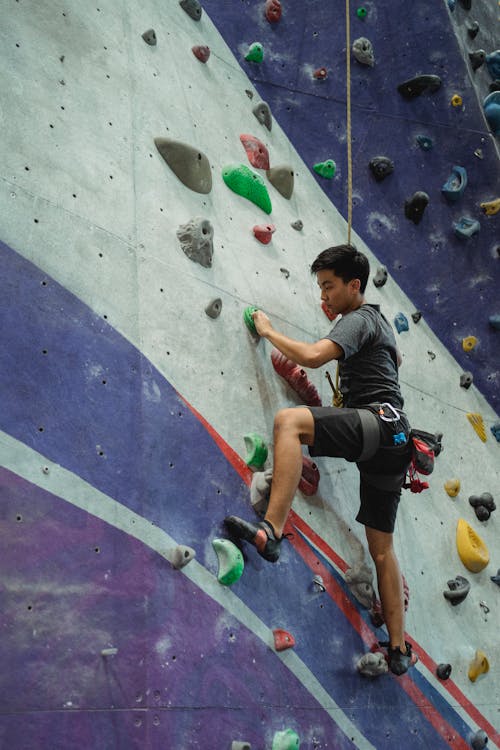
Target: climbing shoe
{"x":399,"y":663}
{"x":261,"y":535}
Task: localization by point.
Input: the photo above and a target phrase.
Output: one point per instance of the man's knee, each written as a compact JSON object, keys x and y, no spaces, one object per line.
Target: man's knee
{"x":379,"y":545}
{"x":297,"y":421}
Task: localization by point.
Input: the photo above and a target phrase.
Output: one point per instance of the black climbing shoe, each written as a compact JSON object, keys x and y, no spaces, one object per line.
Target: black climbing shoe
{"x":399,"y":663}
{"x":261,"y":535}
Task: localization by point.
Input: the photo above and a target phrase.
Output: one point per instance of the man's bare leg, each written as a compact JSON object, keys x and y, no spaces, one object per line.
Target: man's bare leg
{"x":292,"y":429}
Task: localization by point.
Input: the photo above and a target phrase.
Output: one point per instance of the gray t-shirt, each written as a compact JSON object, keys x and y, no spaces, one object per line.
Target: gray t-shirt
{"x":368,"y":369}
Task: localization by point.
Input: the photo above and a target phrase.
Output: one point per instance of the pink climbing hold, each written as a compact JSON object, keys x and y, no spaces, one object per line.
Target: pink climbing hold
{"x":273,"y":10}
{"x":296,"y":378}
{"x":283,"y":640}
{"x":329,"y":315}
{"x":201,"y":51}
{"x":309,"y":480}
{"x":320,"y":74}
{"x":264,"y":232}
{"x":257,"y":153}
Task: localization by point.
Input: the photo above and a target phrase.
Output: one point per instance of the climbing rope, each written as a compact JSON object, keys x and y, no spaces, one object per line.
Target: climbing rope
{"x":349,"y":131}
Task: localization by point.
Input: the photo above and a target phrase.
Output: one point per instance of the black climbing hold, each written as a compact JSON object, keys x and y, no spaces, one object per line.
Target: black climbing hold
{"x":298,"y":224}
{"x":381,"y":167}
{"x":496,"y":579}
{"x":380,"y":277}
{"x":486,"y":499}
{"x":479,"y":740}
{"x":192,"y":8}
{"x":415,"y":206}
{"x":149,"y":37}
{"x":213,"y":309}
{"x":466,"y":4}
{"x":459,"y":587}
{"x":416,"y":316}
{"x":494,"y":86}
{"x":416,"y":86}
{"x":443,"y":671}
{"x":477,"y":58}
{"x":482,"y":513}
{"x":466,"y":379}
{"x":472,"y":29}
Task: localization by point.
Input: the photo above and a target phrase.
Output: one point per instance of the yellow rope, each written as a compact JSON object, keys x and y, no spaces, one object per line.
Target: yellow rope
{"x":349,"y":131}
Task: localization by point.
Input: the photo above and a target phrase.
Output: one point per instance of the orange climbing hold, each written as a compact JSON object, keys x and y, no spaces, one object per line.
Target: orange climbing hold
{"x":257,"y":153}
{"x":273,"y":10}
{"x":264,"y":232}
{"x":452,"y":487}
{"x":283,"y":640}
{"x":477,"y":422}
{"x":479,"y":665}
{"x":472,"y":551}
{"x":468,"y":343}
{"x":490,"y":208}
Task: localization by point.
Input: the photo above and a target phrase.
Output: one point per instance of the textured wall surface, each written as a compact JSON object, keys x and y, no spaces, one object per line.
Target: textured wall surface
{"x":124,"y":406}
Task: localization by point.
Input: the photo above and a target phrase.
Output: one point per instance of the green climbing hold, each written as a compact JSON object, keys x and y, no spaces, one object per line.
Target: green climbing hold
{"x":326,"y":168}
{"x":286,"y":740}
{"x":247,"y":317}
{"x":361,"y":12}
{"x":230,"y":561}
{"x":257,"y":450}
{"x":255,"y":53}
{"x":240,"y":179}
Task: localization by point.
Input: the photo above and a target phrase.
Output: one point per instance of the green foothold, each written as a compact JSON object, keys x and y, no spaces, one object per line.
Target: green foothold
{"x":247,"y":317}
{"x":326,"y":168}
{"x":255,"y":53}
{"x":361,"y":12}
{"x":230,"y":561}
{"x":241,"y":180}
{"x":257,"y":450}
{"x":286,"y":740}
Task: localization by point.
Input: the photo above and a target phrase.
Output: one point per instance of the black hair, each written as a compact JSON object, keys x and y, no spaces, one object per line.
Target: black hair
{"x":346,"y":262}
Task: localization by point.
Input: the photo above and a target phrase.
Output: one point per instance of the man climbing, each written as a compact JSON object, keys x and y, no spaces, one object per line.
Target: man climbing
{"x":371,"y":429}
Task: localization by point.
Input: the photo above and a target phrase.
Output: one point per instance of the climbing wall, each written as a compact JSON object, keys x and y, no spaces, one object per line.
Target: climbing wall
{"x":125,"y":405}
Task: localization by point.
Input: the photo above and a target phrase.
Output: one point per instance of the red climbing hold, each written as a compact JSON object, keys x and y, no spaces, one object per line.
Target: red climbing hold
{"x":329,"y":315}
{"x":296,"y":378}
{"x":283,"y":640}
{"x":264,"y":232}
{"x":310,"y":477}
{"x":201,"y":51}
{"x":257,"y":153}
{"x":320,"y":74}
{"x":273,"y":10}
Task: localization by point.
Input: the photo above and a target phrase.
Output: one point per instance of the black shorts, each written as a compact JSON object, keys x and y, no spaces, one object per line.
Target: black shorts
{"x":338,"y":432}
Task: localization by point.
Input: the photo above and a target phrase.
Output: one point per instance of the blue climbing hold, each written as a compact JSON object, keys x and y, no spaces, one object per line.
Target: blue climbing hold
{"x":452,"y":4}
{"x":425,"y":142}
{"x":494,"y":321}
{"x":466,"y":227}
{"x":399,"y":438}
{"x":493,"y":64}
{"x":495,"y":430}
{"x":491,"y":106}
{"x":401,"y":322}
{"x":455,"y":185}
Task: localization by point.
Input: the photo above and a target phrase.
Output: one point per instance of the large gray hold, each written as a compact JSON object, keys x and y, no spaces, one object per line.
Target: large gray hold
{"x":196,"y":238}
{"x":282,"y":179}
{"x":190,"y":165}
{"x":263,"y":114}
{"x":363,"y":51}
{"x":372,"y":664}
{"x":192,"y":8}
{"x":359,"y":579}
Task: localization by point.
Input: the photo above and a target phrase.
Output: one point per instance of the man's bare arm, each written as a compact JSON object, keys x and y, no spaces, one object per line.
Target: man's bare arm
{"x":304,"y":354}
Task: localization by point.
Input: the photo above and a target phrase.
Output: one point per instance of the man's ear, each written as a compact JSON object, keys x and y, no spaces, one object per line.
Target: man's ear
{"x":355,"y":285}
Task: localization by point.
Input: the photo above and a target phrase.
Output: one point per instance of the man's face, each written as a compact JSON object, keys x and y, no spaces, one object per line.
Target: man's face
{"x":338,"y":296}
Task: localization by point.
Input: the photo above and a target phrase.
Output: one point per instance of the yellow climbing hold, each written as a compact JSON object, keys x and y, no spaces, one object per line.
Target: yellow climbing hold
{"x":490,"y":208}
{"x":468,"y":343}
{"x":452,"y":487}
{"x":230,"y":561}
{"x":456,"y":100}
{"x":477,"y":422}
{"x":472,"y":551}
{"x":479,"y":665}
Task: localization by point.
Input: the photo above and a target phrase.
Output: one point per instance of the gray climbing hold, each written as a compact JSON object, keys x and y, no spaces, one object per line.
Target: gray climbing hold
{"x":472,"y":29}
{"x":372,"y":664}
{"x":496,"y":579}
{"x":459,"y":587}
{"x":318,"y":584}
{"x":282,"y":179}
{"x":362,"y":50}
{"x":214,"y":308}
{"x":192,"y":8}
{"x":182,"y":555}
{"x":494,"y":321}
{"x":466,"y":379}
{"x":285,"y":272}
{"x":262,"y":112}
{"x":381,"y":167}
{"x":149,"y":37}
{"x":424,"y":142}
{"x":415,"y":206}
{"x":196,"y":238}
{"x":190,"y":165}
{"x":260,"y":491}
{"x":359,"y":579}
{"x":477,"y":58}
{"x":298,"y":224}
{"x":236,"y":745}
{"x":380,"y":277}
{"x":479,"y":740}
